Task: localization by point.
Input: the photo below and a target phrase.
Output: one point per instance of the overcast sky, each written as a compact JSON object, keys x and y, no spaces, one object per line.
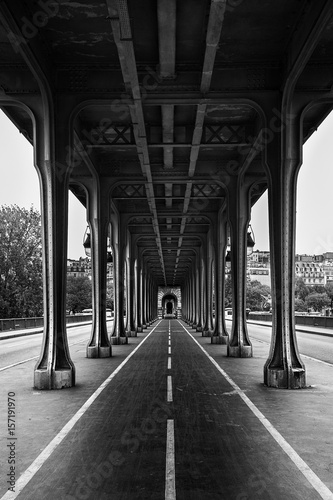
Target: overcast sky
{"x":19,"y":185}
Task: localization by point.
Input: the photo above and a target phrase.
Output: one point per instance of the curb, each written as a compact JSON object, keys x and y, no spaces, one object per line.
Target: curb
{"x":24,"y":334}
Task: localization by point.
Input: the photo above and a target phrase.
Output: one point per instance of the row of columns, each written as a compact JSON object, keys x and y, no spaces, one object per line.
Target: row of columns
{"x":284,"y":367}
{"x":55,"y":163}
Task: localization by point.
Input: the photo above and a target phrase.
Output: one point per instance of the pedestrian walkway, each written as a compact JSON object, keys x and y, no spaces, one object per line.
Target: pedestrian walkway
{"x":170,"y":416}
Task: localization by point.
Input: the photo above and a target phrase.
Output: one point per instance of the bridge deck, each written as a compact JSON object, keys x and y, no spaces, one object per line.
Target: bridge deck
{"x":221,"y":433}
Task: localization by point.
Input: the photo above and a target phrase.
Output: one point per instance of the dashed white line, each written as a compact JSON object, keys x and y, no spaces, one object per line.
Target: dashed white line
{"x":170,"y":477}
{"x":44,"y":455}
{"x":169,"y":350}
{"x":169,"y":389}
{"x":324,"y":492}
{"x":169,"y":363}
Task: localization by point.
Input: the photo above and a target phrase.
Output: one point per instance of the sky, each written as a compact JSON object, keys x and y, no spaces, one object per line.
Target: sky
{"x":314,"y":225}
{"x":20,"y":185}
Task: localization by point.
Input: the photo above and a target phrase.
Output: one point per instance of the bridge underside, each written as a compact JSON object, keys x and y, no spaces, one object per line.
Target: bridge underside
{"x":167,"y":120}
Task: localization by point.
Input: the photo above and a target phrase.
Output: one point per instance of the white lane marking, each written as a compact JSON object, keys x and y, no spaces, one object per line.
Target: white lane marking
{"x":29,"y":473}
{"x":170,"y":476}
{"x":169,"y":342}
{"x":34,"y":357}
{"x":303,"y":355}
{"x":169,"y":350}
{"x":169,"y":390}
{"x":169,"y":363}
{"x":18,"y":363}
{"x":313,"y":479}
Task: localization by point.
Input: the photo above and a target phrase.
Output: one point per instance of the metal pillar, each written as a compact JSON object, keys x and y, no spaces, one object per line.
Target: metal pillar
{"x":238,"y":215}
{"x":54,"y":368}
{"x":139,"y":297}
{"x":98,"y":345}
{"x":283,"y":368}
{"x":131,"y":291}
{"x":220,"y":334}
{"x":208,"y":325}
{"x":118,"y":335}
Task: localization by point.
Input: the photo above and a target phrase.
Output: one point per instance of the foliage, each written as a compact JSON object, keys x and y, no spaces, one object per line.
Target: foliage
{"x":79,"y":293}
{"x":257,"y":296}
{"x":228,"y":292}
{"x":301,"y":290}
{"x":329,"y":290}
{"x":300,"y":305}
{"x":317,"y":301}
{"x":21,"y":281}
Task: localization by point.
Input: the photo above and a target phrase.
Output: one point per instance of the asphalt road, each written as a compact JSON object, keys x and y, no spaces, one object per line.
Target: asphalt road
{"x":314,"y":346}
{"x":20,"y":349}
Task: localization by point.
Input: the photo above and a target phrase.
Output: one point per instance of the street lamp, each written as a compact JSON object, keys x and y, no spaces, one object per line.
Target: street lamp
{"x":228,"y":250}
{"x":87,"y":242}
{"x":250,"y":241}
{"x":109,"y":250}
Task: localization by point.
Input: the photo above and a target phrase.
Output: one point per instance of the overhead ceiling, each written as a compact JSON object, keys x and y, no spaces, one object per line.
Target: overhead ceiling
{"x":168,"y":87}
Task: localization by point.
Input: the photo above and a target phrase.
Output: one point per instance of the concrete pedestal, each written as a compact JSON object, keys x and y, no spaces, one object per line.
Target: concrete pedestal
{"x":99,"y":352}
{"x":240,"y":351}
{"x":118,"y":340}
{"x":220,"y":339}
{"x":58,"y":379}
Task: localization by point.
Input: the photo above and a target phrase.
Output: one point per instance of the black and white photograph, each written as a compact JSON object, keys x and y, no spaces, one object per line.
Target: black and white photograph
{"x":166,"y":250}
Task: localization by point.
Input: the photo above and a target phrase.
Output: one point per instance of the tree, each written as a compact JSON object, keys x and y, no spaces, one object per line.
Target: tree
{"x":301,"y":290}
{"x":228,"y":291}
{"x":257,"y":295}
{"x":79,"y":294}
{"x":317,"y":301}
{"x":21,"y":281}
{"x":300,"y":305}
{"x":329,"y":291}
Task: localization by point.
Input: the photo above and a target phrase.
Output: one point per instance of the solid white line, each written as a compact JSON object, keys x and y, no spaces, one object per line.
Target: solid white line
{"x":18,"y":363}
{"x":169,"y":350}
{"x":303,"y":355}
{"x":313,"y":479}
{"x":170,"y":479}
{"x":34,"y":357}
{"x":169,"y":390}
{"x":41,"y":459}
{"x":169,"y":363}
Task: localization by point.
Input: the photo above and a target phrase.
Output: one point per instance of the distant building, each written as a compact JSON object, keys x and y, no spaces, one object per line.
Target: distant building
{"x":82,"y":267}
{"x":78,"y":268}
{"x":313,"y":269}
{"x":258,"y":267}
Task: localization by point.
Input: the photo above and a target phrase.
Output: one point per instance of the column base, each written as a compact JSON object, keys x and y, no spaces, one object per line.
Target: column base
{"x":292,"y":378}
{"x":131,"y":334}
{"x":220,"y":339}
{"x":96,"y":351}
{"x":57,"y":379}
{"x":199,"y":328}
{"x":118,"y":340}
{"x":207,"y":333}
{"x":140,"y":329}
{"x":144,"y":327}
{"x":240,"y":351}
